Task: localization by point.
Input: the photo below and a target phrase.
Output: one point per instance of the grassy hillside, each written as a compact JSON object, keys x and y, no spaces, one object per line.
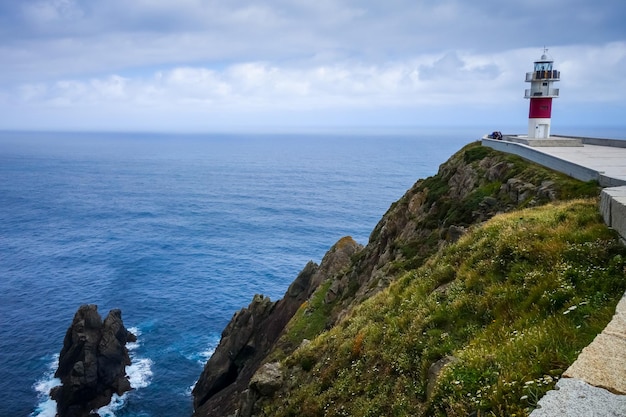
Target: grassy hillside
{"x":476,"y":290}
{"x":503,"y":312}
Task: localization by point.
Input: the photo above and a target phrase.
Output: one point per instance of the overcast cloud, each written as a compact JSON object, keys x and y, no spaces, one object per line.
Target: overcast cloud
{"x":202,"y":65}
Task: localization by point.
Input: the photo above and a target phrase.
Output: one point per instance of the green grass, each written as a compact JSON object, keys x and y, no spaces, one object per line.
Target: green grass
{"x":310,"y":319}
{"x":514,"y":301}
{"x":441,"y":209}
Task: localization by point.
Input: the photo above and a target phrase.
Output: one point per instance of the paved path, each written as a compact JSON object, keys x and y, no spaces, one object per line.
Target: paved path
{"x":605,"y":159}
{"x":605,"y":164}
{"x":595,"y":384}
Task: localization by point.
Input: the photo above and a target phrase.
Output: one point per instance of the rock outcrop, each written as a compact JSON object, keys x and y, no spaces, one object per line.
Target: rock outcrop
{"x":252,"y":333}
{"x":92,"y":362}
{"x":474,"y":185}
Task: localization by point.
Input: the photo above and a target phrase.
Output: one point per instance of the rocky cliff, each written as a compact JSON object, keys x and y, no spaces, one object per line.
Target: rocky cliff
{"x":266,"y":351}
{"x":92,"y":362}
{"x":253,"y":332}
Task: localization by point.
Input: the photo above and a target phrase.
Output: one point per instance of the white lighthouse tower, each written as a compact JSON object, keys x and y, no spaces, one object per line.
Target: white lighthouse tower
{"x":541,"y":93}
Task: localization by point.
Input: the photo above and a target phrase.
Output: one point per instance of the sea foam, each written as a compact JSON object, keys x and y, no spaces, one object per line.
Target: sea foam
{"x":139,"y":374}
{"x":46,"y":406}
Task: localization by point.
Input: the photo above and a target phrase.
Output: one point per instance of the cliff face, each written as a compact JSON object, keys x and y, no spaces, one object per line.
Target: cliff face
{"x":253,"y":332}
{"x":261,"y":349}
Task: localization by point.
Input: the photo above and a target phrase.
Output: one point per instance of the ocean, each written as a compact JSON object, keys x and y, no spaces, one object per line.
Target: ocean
{"x":179,"y":232}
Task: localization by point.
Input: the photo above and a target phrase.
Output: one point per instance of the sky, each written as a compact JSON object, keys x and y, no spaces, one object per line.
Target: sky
{"x":219,"y":65}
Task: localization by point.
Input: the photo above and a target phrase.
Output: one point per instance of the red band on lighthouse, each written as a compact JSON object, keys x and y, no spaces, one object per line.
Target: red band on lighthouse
{"x":540,"y":108}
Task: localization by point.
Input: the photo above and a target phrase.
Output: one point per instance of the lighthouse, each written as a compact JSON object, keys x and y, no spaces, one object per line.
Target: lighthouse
{"x":541,"y":93}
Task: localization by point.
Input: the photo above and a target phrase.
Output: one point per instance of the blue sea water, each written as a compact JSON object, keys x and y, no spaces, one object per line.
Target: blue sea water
{"x":179,"y":232}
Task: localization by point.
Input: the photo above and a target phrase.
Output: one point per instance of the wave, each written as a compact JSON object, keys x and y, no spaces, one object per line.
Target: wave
{"x":140,"y":371}
{"x":202,"y":358}
{"x":47,"y":407}
{"x":205,"y":355}
{"x":139,"y":374}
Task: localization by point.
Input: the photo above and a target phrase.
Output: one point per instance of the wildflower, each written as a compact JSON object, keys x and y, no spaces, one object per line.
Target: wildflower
{"x":524,"y":397}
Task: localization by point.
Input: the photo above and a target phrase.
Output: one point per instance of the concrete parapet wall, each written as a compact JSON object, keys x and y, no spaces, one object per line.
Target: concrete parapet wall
{"x":569,"y":168}
{"x":609,"y":181}
{"x":615,"y":143}
{"x":613,"y":209}
{"x":552,"y":141}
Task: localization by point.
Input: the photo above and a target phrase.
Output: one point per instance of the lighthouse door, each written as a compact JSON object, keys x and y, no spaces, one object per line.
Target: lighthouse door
{"x":541,"y":131}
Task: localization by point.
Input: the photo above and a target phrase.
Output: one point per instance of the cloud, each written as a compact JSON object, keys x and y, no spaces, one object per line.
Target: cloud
{"x":451,"y":67}
{"x":463,"y":77}
{"x":45,"y":12}
{"x":276,"y":58}
{"x":77,"y":36}
{"x":594,"y":74}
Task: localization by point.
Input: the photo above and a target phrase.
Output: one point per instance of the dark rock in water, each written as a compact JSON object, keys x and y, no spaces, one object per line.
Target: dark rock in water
{"x":92,"y":363}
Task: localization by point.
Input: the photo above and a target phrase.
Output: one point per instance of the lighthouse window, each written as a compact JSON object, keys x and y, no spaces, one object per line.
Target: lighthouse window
{"x":545,"y":84}
{"x":543,"y":107}
{"x":543,"y":66}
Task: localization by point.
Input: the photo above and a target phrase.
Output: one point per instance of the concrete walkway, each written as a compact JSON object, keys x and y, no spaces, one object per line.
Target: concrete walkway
{"x":603,"y":160}
{"x":606,"y":160}
{"x":595,"y":384}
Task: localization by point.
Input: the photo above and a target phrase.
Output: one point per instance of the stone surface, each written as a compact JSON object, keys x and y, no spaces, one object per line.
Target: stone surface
{"x":605,"y":205}
{"x":618,"y":215}
{"x":242,"y":341}
{"x":455,"y":233}
{"x":616,"y":191}
{"x":603,"y":362}
{"x":92,"y":362}
{"x":613,"y":208}
{"x":518,"y":190}
{"x":268,"y":379}
{"x":575,"y":398}
{"x":435,"y":370}
{"x":264,"y":383}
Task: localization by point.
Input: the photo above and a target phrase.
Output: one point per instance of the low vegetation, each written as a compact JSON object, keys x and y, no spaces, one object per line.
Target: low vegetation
{"x":494,"y":318}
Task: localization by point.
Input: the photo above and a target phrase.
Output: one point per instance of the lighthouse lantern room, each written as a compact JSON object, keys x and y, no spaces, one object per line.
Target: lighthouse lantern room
{"x":541,"y":93}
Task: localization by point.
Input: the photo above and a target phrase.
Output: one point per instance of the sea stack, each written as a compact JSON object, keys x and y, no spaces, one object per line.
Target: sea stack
{"x":92,"y":362}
